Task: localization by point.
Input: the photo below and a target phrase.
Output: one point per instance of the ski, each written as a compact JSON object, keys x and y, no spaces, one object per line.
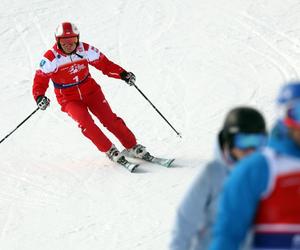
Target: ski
{"x":157,"y":160}
{"x":150,"y":158}
{"x":127,"y":164}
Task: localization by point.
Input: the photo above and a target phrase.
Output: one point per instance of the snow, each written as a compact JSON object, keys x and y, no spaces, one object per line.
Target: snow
{"x":193,"y":59}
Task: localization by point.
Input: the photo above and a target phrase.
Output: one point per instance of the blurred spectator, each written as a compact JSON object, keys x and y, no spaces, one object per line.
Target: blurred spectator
{"x":244,"y":130}
{"x":263,"y":191}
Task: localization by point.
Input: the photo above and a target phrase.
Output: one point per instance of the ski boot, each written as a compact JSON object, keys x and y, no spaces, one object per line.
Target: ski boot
{"x":115,"y":155}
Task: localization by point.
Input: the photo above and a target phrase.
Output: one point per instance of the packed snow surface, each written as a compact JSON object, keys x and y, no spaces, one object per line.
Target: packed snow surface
{"x":193,"y":59}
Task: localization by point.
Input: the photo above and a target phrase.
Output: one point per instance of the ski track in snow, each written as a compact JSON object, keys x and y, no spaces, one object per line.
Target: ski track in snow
{"x":282,"y":63}
{"x":194,"y":61}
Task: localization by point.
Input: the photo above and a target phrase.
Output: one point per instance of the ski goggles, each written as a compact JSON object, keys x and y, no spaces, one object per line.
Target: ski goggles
{"x":290,"y":114}
{"x":68,"y":40}
{"x":245,"y":141}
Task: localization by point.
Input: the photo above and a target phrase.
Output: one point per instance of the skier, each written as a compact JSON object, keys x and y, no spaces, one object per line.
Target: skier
{"x":243,"y":131}
{"x":263,"y":192}
{"x":67,"y":65}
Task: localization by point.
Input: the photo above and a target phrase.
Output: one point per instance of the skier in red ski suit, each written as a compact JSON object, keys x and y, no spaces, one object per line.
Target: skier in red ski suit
{"x":67,"y":65}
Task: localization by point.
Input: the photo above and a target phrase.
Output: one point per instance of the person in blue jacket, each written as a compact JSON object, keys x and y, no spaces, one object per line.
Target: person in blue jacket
{"x":243,"y":131}
{"x":262,"y":193}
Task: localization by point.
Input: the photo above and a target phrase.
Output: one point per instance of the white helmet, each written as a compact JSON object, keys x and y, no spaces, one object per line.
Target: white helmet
{"x":66,"y":29}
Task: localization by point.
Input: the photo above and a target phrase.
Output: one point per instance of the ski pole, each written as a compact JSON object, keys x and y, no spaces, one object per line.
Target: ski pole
{"x":19,"y":125}
{"x":178,"y":134}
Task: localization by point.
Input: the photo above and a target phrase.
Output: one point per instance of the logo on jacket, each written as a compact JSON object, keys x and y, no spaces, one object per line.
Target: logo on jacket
{"x":42,"y":63}
{"x":75,"y":68}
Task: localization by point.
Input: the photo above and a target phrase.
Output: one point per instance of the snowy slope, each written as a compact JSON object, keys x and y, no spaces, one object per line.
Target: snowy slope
{"x":193,"y":59}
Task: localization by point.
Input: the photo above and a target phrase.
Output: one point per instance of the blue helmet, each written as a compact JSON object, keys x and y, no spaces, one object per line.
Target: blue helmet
{"x":289,"y":104}
{"x":289,"y":92}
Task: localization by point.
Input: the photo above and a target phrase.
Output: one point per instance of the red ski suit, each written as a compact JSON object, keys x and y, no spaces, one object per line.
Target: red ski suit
{"x":78,"y":93}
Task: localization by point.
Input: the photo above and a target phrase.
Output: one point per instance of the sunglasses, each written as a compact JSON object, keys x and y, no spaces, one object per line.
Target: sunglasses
{"x":245,"y":141}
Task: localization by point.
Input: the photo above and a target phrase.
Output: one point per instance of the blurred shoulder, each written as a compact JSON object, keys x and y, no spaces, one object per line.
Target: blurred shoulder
{"x":215,"y":169}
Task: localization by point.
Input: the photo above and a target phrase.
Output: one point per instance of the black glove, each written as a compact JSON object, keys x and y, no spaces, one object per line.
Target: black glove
{"x":42,"y":102}
{"x":128,"y":77}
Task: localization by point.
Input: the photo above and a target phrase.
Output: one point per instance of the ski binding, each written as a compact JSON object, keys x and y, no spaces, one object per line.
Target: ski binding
{"x":127,"y":164}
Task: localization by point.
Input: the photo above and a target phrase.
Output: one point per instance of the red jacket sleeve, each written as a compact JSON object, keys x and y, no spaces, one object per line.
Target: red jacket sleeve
{"x":40,"y":83}
{"x":42,"y":75}
{"x":101,"y":62}
{"x":107,"y":67}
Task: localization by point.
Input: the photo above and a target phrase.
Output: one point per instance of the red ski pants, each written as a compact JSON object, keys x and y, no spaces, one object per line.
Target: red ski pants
{"x":97,"y":104}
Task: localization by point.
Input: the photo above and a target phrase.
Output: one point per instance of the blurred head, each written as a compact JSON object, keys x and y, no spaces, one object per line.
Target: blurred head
{"x":67,"y":37}
{"x":244,"y":130}
{"x":289,"y":106}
